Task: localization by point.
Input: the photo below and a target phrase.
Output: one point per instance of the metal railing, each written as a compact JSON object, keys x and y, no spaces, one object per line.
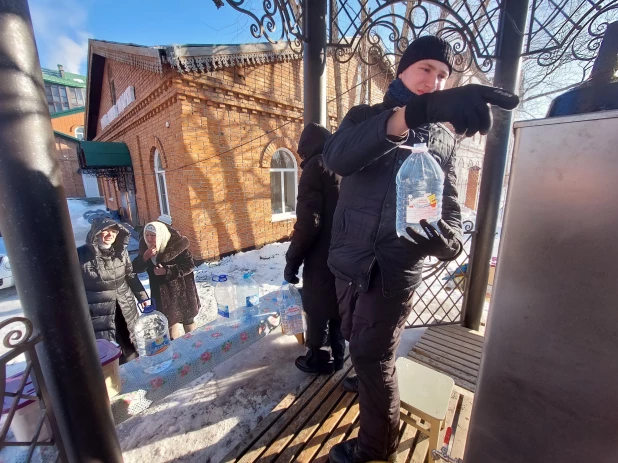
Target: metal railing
{"x":439,"y":299}
{"x":27,"y":386}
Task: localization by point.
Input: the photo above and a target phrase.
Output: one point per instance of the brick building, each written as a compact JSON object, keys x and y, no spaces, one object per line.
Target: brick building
{"x":65,"y":93}
{"x":211,"y":132}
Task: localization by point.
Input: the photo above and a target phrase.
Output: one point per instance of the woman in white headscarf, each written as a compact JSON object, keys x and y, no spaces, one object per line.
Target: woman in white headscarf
{"x":164,"y":254}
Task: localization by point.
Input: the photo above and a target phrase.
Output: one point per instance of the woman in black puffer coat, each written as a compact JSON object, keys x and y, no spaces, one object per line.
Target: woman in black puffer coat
{"x":111,"y":283}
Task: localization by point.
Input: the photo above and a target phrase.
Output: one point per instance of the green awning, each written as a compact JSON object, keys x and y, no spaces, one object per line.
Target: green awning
{"x":102,"y":155}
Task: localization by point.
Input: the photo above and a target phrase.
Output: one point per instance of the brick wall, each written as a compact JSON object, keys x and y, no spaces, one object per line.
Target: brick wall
{"x":216,"y":134}
{"x":68,"y":124}
{"x":66,"y":151}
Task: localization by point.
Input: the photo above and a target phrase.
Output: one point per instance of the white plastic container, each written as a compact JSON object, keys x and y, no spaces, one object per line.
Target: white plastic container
{"x":291,"y":309}
{"x":225,"y":296}
{"x":153,"y":342}
{"x":420,"y":185}
{"x":247,"y":292}
{"x":109,"y":353}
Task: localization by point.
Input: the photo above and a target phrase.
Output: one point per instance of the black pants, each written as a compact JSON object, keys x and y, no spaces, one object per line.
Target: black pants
{"x":123,"y":338}
{"x":373,"y":325}
{"x":323,"y":321}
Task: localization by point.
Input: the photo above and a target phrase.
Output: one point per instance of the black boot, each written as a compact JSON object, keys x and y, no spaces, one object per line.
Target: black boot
{"x":350,"y":384}
{"x":315,"y":362}
{"x":339,"y":364}
{"x":343,"y":452}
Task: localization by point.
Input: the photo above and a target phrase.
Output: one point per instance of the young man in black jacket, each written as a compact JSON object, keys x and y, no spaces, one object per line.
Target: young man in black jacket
{"x":318,"y":191}
{"x":376,"y":271}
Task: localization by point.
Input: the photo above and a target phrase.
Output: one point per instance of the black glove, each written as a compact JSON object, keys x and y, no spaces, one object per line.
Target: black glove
{"x":444,"y":246}
{"x":465,"y":107}
{"x":289,"y":275}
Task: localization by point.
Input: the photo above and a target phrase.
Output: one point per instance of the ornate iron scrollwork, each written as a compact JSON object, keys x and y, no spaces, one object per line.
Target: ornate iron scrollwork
{"x":379,"y":30}
{"x":281,"y":20}
{"x":364,"y":25}
{"x":15,"y":337}
{"x":572,"y":29}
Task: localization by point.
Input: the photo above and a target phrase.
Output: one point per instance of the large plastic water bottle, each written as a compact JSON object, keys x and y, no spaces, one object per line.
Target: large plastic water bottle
{"x":153,"y":342}
{"x":247,"y":292}
{"x":225,"y":296}
{"x":291,"y":309}
{"x":420,"y":183}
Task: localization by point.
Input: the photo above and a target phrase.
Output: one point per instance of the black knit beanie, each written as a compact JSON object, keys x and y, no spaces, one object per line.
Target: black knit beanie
{"x":427,"y":47}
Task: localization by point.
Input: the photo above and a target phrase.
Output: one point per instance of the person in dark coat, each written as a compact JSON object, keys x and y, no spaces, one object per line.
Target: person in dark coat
{"x":111,"y":283}
{"x":318,"y":191}
{"x":164,"y":254}
{"x":376,"y":271}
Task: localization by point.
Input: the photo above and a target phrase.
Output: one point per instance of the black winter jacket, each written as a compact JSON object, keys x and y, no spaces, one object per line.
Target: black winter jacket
{"x":364,"y":226}
{"x":318,"y":191}
{"x":109,"y":280}
{"x":175,"y":293}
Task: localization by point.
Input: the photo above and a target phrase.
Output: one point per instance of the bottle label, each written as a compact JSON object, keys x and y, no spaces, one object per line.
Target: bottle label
{"x":157,"y":345}
{"x":223,"y":310}
{"x":252,"y":301}
{"x":421,"y":207}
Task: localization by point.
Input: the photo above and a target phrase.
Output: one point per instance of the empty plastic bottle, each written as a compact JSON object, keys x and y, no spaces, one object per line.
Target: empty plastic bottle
{"x":225,"y":296}
{"x":247,"y":292}
{"x":291,"y":309}
{"x":153,"y":342}
{"x":420,"y":183}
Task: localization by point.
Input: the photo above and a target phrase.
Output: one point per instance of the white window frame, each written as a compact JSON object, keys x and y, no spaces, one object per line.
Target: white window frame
{"x":286,"y":215}
{"x":160,"y":171}
{"x":82,"y":130}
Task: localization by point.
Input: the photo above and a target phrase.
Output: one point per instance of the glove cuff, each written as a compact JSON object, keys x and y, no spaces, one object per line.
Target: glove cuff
{"x":416,"y":111}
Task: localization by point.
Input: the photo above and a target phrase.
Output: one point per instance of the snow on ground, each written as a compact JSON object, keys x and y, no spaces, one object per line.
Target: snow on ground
{"x":206,"y":419}
{"x":203,"y":421}
{"x":81,"y":227}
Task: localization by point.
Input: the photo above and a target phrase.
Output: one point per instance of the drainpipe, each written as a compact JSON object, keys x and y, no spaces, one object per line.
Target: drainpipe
{"x":314,"y":60}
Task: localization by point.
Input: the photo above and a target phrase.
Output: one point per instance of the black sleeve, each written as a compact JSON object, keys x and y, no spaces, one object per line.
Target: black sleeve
{"x":359,"y":141}
{"x":451,"y":211}
{"x":139,"y":265}
{"x":309,"y":210}
{"x":133,"y":280}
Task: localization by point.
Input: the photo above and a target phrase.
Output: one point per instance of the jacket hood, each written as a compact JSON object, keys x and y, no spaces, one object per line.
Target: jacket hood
{"x":176,"y":245}
{"x":101,"y":223}
{"x":312,"y":141}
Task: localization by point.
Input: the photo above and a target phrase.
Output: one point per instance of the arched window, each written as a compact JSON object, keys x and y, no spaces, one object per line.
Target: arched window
{"x":283,"y":184}
{"x":79,"y":132}
{"x":161,"y":184}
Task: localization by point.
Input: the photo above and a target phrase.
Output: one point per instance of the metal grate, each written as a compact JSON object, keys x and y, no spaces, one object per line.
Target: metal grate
{"x":20,"y":339}
{"x":439,"y":299}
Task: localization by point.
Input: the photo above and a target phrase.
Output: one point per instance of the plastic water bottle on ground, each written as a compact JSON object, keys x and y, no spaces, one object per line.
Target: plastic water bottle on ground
{"x":225,"y":296}
{"x":291,"y":309}
{"x":420,"y":183}
{"x":153,"y":342}
{"x":247,"y":292}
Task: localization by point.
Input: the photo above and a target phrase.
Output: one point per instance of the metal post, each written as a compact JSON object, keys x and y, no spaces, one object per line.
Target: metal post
{"x":35,"y":224}
{"x":511,"y":27}
{"x":314,"y":59}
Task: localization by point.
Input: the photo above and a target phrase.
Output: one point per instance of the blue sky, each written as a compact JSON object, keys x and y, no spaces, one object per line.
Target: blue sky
{"x":63,"y":27}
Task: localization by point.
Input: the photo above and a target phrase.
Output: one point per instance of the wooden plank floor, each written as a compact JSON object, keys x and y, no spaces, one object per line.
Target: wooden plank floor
{"x":453,"y":350}
{"x":320,"y":414}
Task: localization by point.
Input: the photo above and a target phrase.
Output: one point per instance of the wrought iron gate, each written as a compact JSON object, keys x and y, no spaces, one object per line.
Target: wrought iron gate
{"x":439,"y":299}
{"x":38,"y":425}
